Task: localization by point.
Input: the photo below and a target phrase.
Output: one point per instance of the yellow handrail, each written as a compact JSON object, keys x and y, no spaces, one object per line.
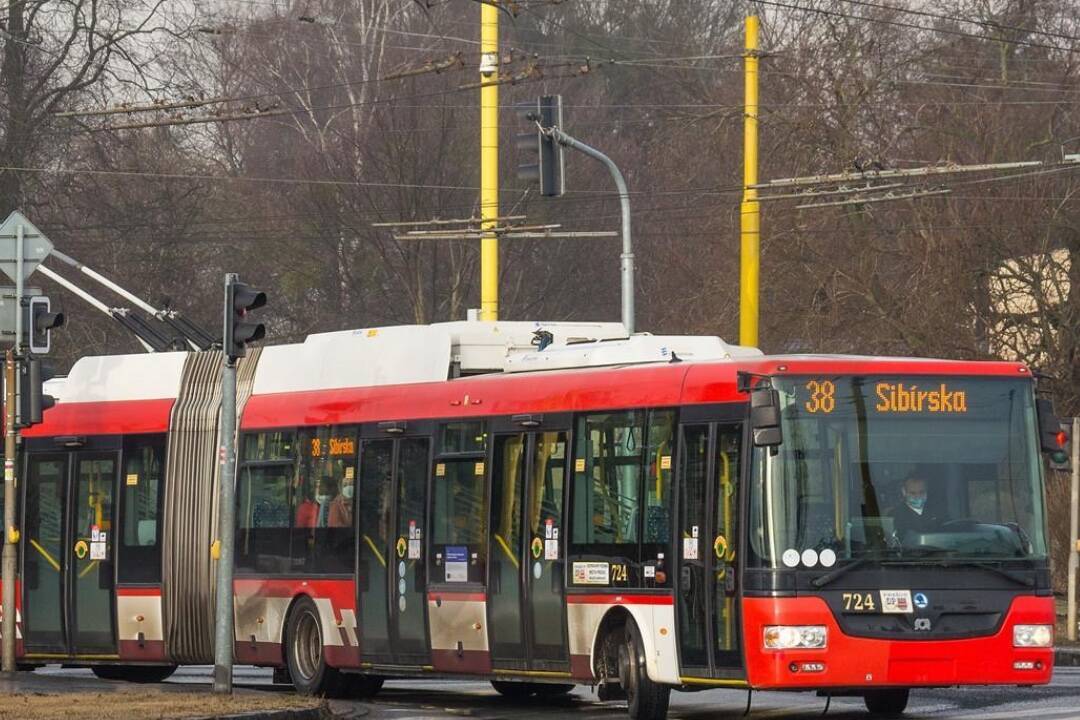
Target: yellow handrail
{"x":507,"y":550}
{"x":375,"y":550}
{"x":45,"y":554}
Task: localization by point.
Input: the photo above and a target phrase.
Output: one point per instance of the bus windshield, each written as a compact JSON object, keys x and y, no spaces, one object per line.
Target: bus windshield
{"x":910,"y":467}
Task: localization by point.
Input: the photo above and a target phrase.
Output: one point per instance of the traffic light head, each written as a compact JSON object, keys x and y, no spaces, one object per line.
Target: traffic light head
{"x":33,"y":401}
{"x":40,"y":321}
{"x":1059,"y":458}
{"x":542,"y":155}
{"x":240,"y":299}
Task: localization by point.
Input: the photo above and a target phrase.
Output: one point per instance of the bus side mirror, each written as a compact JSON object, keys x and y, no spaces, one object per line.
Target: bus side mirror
{"x":1051,"y":437}
{"x":765,"y":417}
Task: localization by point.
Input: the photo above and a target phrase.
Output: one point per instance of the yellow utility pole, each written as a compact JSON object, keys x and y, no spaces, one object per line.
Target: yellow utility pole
{"x":750,"y":215}
{"x":489,"y":160}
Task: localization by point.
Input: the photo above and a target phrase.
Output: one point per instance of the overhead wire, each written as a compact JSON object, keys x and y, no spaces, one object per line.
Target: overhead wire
{"x":910,"y":26}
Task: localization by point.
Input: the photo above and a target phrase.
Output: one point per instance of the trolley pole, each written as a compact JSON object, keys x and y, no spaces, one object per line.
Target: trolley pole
{"x":11,"y":534}
{"x":1074,"y":522}
{"x":223,"y":616}
{"x":489,"y":159}
{"x":750,"y":210}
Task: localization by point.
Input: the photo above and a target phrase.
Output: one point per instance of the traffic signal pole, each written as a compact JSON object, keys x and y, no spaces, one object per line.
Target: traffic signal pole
{"x":223,"y":613}
{"x":626,"y":260}
{"x":237,"y":331}
{"x":489,"y":160}
{"x":750,"y":210}
{"x":11,"y":534}
{"x":1074,"y":526}
{"x":9,"y":559}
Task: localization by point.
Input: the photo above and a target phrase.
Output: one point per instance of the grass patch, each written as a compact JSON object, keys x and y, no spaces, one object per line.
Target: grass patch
{"x":150,"y":704}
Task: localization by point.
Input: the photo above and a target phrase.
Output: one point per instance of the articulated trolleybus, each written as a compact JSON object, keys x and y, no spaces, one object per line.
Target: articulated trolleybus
{"x":641,"y":514}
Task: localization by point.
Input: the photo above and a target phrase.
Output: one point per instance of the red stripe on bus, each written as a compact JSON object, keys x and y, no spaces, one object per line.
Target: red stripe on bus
{"x":116,"y":417}
{"x":619,"y":599}
{"x":456,"y":596}
{"x":569,"y":391}
{"x":138,"y":591}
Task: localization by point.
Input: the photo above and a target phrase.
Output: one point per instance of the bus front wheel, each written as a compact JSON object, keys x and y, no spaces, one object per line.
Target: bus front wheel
{"x":889,"y":703}
{"x":646,"y":700}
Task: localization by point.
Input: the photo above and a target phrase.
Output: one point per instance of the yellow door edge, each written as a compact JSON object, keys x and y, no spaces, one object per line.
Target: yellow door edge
{"x":719,"y":682}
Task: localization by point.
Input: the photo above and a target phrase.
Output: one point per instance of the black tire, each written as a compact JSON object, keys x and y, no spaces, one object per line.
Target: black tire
{"x":362,"y":687}
{"x":134,"y":673}
{"x":645,"y":699}
{"x":304,"y":653}
{"x":887,"y":703}
{"x":552,"y":690}
{"x":513,"y":690}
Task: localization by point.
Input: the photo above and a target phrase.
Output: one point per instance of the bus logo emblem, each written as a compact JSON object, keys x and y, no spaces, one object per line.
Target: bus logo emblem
{"x":920,"y":600}
{"x":922,"y":624}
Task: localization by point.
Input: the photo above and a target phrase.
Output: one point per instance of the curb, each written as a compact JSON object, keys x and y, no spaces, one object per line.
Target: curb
{"x":1067,"y":657}
{"x":317,"y":713}
{"x":326,"y":711}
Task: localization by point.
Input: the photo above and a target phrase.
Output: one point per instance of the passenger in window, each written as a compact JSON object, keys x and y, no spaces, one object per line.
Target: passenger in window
{"x":341,"y":507}
{"x":315,"y":512}
{"x":913,"y":515}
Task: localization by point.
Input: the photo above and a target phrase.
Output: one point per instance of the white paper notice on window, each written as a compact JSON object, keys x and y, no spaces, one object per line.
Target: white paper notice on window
{"x":97,"y":551}
{"x":457,"y":564}
{"x":590,"y":573}
{"x":414,"y":549}
{"x":689,"y":549}
{"x":551,"y":549}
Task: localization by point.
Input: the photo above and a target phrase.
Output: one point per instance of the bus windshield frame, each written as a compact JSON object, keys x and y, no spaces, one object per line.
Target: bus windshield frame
{"x":858,"y":453}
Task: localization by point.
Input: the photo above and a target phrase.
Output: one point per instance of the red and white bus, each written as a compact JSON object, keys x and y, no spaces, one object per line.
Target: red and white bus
{"x":446,"y":501}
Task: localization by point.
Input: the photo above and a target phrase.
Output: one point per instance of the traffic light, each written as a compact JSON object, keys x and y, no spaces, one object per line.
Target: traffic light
{"x":240,"y":299}
{"x":33,"y":401}
{"x":1059,"y":458}
{"x":38,"y":323}
{"x":542,"y":155}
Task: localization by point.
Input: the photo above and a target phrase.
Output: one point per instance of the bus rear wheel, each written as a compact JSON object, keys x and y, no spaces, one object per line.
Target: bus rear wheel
{"x":304,"y":653}
{"x":134,"y":673}
{"x":887,"y":703}
{"x":646,"y":700}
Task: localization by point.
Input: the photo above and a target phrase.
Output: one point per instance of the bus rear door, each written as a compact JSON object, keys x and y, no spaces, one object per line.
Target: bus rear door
{"x":67,"y":565}
{"x":526,"y":599}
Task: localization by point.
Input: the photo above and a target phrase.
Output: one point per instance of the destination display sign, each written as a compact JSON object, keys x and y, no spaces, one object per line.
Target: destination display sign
{"x":333,"y":446}
{"x":885,"y":396}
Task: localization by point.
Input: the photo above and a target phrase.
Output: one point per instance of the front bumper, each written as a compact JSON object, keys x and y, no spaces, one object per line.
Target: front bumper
{"x":855,"y":662}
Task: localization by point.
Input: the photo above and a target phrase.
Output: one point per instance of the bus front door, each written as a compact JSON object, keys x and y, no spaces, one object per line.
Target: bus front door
{"x":706,"y":594}
{"x":392,"y":584}
{"x":526,"y":601}
{"x":68,"y":591}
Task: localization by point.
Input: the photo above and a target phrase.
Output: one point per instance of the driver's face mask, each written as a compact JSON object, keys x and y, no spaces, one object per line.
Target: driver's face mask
{"x":915,"y":501}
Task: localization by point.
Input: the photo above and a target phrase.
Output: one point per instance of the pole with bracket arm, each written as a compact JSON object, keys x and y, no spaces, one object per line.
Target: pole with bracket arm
{"x":626,"y":264}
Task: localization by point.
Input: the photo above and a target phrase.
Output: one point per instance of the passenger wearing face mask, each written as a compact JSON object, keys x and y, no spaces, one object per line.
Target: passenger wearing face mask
{"x":913,"y":515}
{"x":341,"y":507}
{"x":315,"y":512}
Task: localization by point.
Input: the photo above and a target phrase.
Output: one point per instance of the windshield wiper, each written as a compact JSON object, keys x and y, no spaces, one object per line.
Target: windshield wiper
{"x":823,"y":580}
{"x":1008,"y":574}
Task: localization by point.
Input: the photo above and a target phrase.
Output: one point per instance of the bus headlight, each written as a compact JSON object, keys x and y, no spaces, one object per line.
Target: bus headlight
{"x":1033,"y":636}
{"x":788,"y":637}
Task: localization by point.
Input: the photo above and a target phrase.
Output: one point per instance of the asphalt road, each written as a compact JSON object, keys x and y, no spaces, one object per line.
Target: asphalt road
{"x":443,"y":700}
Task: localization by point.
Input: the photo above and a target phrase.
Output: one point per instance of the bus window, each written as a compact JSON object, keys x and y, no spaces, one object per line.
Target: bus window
{"x":459,"y":510}
{"x":323,"y":499}
{"x":140,"y":510}
{"x":622,"y":497}
{"x":607,"y":479}
{"x":262,"y":539}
